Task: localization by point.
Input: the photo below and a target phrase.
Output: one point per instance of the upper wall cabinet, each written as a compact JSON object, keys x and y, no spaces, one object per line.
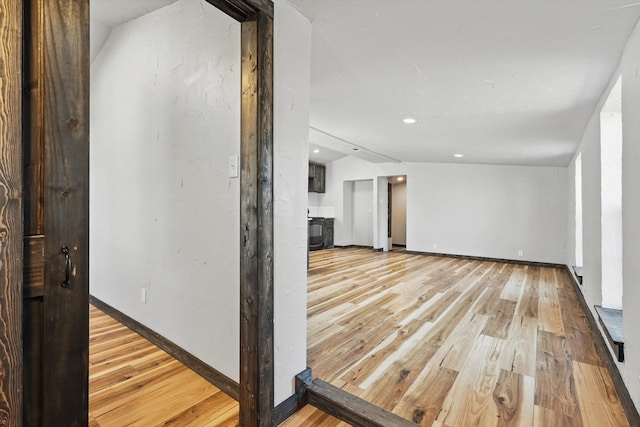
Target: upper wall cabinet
{"x":316,"y":178}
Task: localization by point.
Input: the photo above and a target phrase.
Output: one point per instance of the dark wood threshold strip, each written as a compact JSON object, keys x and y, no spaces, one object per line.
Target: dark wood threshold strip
{"x":224,"y":383}
{"x":629,"y":407}
{"x":345,"y":406}
{"x":285,"y":409}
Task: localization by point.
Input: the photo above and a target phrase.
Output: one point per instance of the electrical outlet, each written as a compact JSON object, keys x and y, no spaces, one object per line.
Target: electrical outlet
{"x":143,"y":295}
{"x":435,"y":246}
{"x":520,"y":252}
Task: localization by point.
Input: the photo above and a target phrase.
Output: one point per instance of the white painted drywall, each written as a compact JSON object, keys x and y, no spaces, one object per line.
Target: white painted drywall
{"x":165,"y":117}
{"x":399,"y":213}
{"x":165,"y":215}
{"x":611,"y":189}
{"x":292,"y":62}
{"x":478,"y":210}
{"x":590,"y":150}
{"x":362,"y":216}
{"x":631,"y":213}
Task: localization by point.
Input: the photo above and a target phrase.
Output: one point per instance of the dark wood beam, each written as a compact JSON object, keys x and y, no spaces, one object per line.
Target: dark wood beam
{"x":343,"y":405}
{"x":256,"y":220}
{"x":11,"y":214}
{"x":244,"y":10}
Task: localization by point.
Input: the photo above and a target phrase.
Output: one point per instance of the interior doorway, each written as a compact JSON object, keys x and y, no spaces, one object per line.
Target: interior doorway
{"x":62,"y":68}
{"x":398,"y":212}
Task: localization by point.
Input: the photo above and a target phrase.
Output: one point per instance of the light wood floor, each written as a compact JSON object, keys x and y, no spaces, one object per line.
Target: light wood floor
{"x":134,"y":383}
{"x":449,"y":342}
{"x":440,"y":341}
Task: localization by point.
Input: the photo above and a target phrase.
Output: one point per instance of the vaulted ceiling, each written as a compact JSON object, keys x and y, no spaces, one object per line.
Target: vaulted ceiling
{"x":499,"y":81}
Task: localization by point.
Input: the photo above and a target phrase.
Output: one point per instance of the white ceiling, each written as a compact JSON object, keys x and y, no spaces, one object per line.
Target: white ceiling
{"x":501,"y":81}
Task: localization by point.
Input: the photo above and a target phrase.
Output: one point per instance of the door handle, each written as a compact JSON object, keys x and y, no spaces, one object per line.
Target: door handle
{"x":67,"y":267}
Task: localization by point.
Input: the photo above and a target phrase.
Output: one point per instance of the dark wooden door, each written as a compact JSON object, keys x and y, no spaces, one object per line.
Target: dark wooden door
{"x":56,"y":212}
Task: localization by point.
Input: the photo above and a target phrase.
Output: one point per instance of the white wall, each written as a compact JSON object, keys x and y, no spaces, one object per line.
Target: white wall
{"x":477,"y":210}
{"x":165,"y":216}
{"x":590,"y":149}
{"x":631,"y":213}
{"x":165,"y":117}
{"x":292,"y":62}
{"x":399,"y":213}
{"x":362,"y":211}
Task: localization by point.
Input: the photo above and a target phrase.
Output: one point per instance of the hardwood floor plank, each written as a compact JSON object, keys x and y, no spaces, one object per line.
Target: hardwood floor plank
{"x":520,"y":349}
{"x":440,"y":341}
{"x":555,"y":385}
{"x":213,"y":410}
{"x":543,"y":417}
{"x":514,"y":396}
{"x":498,"y":324}
{"x":550,"y":316}
{"x":423,"y":401}
{"x":465,"y":342}
{"x":528,"y":306}
{"x":147,"y":387}
{"x":599,"y":404}
{"x":470,"y":399}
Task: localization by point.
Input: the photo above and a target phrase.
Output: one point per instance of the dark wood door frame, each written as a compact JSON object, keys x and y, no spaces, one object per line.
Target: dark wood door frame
{"x":256,"y":234}
{"x":11,"y":211}
{"x":256,"y":209}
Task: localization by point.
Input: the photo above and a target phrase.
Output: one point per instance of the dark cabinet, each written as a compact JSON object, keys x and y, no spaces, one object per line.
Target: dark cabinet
{"x":327,"y":233}
{"x":316,"y":178}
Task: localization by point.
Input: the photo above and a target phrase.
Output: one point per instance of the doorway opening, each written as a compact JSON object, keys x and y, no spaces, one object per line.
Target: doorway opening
{"x":398,"y":212}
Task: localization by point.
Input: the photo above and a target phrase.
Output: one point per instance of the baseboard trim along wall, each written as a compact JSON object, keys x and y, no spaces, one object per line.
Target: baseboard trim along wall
{"x":280,"y":413}
{"x":224,"y":383}
{"x":488,"y":259}
{"x":605,"y":353}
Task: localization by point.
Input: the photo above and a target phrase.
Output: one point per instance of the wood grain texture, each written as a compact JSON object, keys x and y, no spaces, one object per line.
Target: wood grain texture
{"x":449,"y":341}
{"x":33,"y":266}
{"x":32,"y":342}
{"x":598,"y":399}
{"x":555,"y":385}
{"x":350,"y":408}
{"x":33,"y":118}
{"x":11,"y":224}
{"x":133,"y":382}
{"x":66,"y":210}
{"x":224,"y":383}
{"x":256,"y":221}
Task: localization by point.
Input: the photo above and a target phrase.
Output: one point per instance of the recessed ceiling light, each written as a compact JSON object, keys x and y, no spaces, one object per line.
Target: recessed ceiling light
{"x":409,"y":120}
{"x":400,"y":178}
{"x":316,"y":151}
{"x":458,"y":155}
